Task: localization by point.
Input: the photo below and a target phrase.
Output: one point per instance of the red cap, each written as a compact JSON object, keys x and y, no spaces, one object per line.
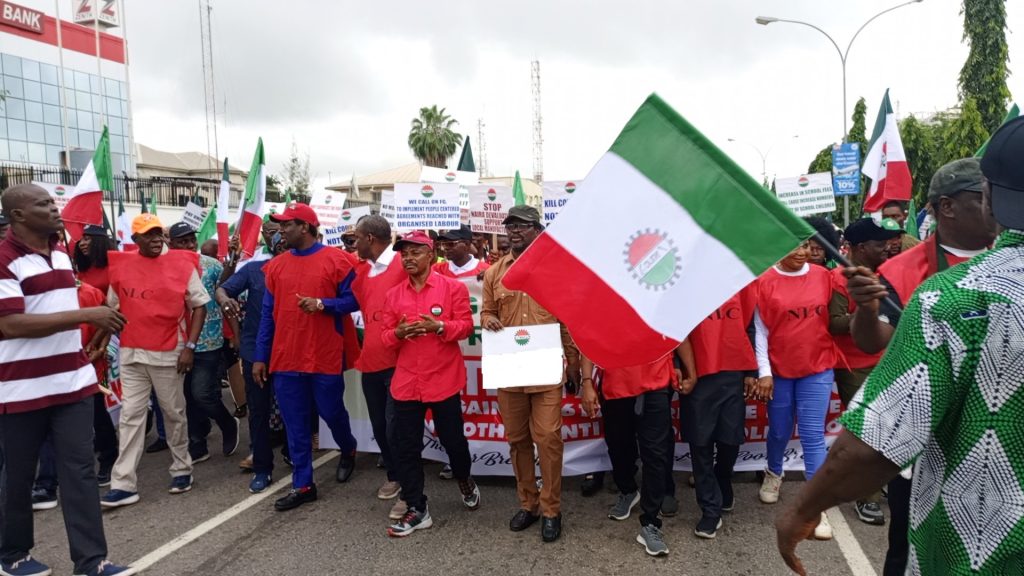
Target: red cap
{"x":415,"y":237}
{"x":297,"y":211}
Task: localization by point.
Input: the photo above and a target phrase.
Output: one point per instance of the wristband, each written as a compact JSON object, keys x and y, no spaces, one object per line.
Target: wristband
{"x":191,"y":346}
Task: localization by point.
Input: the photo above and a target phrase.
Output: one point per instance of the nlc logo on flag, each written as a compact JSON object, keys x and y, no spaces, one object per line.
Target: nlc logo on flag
{"x":651,"y":258}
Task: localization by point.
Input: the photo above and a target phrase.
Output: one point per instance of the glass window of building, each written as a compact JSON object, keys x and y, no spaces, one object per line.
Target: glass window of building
{"x":97,"y":102}
{"x":19,"y":150}
{"x":51,"y":114}
{"x":34,"y":111}
{"x":30,"y":70}
{"x":36,"y":153}
{"x":33,"y":91}
{"x":117,"y":145}
{"x":12,"y":65}
{"x":14,"y":86}
{"x":116,"y":125}
{"x":72,"y":138}
{"x":51,"y":94}
{"x":54,"y":135}
{"x":16,"y":129}
{"x":36,"y":134}
{"x":69,"y":79}
{"x":4,"y":153}
{"x":82,"y":81}
{"x":84,"y":120}
{"x":53,"y":154}
{"x":83,"y":100}
{"x":48,"y":74}
{"x":15,"y":108}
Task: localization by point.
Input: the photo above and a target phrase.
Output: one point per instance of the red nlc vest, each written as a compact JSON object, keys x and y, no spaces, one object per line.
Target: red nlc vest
{"x":795,"y":310}
{"x":720,"y":343}
{"x":371,"y":294}
{"x":152,"y":295}
{"x":851,"y":357}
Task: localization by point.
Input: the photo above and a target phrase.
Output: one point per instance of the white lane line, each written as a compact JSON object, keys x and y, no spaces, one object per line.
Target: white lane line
{"x":193,"y":534}
{"x":848,"y":545}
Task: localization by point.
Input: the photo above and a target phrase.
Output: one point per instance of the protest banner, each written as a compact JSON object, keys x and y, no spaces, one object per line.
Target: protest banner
{"x":194,"y":215}
{"x":347,"y":221}
{"x":846,"y":169}
{"x":387,"y":206}
{"x":59,"y":192}
{"x":462,"y":178}
{"x":808,"y":194}
{"x":328,"y":206}
{"x":522,"y":356}
{"x":426,"y":207}
{"x":488,"y":207}
{"x":585,"y":450}
{"x":556,"y":195}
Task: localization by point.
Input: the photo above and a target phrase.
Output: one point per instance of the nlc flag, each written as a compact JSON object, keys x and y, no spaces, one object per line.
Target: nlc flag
{"x":251,"y":219}
{"x":886,"y":163}
{"x":85,"y":205}
{"x":667,"y":229}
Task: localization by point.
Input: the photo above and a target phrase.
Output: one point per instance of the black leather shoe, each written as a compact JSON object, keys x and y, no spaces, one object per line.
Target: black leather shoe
{"x":592,"y":484}
{"x":522,"y":520}
{"x":346,"y":466}
{"x":551,"y":528}
{"x":296,"y":498}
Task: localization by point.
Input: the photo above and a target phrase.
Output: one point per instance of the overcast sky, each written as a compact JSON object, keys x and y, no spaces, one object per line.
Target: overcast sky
{"x":344,"y":79}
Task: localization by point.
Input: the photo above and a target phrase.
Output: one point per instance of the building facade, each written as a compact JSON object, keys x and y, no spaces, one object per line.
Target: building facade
{"x":57,"y":93}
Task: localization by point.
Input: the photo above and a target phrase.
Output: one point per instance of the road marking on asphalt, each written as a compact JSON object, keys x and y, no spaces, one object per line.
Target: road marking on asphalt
{"x":848,"y":545}
{"x":188,"y":537}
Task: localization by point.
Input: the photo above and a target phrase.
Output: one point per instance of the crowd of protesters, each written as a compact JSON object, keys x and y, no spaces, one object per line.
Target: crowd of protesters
{"x":179,"y":323}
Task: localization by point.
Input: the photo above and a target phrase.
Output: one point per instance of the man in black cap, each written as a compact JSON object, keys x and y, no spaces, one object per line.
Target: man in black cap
{"x":948,"y":397}
{"x":532,"y":414}
{"x":869,"y":241}
{"x":458,"y":249}
{"x":203,"y":400}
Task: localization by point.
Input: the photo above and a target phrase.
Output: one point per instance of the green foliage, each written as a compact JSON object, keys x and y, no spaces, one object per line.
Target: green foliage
{"x":296,"y":175}
{"x":984,"y":74}
{"x":859,"y":132}
{"x":920,"y":146}
{"x":432,"y":137}
{"x":963,"y":135}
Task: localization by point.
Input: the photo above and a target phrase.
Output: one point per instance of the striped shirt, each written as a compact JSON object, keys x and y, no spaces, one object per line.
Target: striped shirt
{"x":37,"y":373}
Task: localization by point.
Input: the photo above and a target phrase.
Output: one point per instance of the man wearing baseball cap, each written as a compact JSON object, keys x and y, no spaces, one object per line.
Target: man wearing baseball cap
{"x":424,"y":319}
{"x":869,"y":242}
{"x":963,"y":230}
{"x":160,"y":293}
{"x":532,"y":414}
{"x":306,"y":339}
{"x":203,"y":400}
{"x":458,"y":245}
{"x":949,"y":396}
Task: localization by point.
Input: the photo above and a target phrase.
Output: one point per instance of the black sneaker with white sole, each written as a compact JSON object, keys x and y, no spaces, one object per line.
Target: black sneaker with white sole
{"x":870,"y":513}
{"x":707,"y":527}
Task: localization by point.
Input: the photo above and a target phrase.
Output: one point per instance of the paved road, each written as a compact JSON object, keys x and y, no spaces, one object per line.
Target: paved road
{"x":344,"y":532}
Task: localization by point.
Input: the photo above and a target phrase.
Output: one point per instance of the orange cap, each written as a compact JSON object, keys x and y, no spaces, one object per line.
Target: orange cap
{"x":144,"y":223}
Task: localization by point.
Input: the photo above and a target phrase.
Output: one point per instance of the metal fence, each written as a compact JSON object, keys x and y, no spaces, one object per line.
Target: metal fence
{"x":166,"y":191}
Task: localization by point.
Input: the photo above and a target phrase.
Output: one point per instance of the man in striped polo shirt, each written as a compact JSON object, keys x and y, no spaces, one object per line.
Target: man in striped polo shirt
{"x":46,"y":385}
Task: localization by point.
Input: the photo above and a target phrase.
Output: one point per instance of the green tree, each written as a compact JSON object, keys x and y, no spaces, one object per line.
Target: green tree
{"x":965,"y":133}
{"x":432,"y":137}
{"x":296,"y":175}
{"x":920,"y":145}
{"x":984,"y":74}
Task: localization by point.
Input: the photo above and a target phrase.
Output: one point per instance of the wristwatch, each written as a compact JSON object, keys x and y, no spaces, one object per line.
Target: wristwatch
{"x":319,"y":305}
{"x":440,"y":328}
{"x":190,"y":346}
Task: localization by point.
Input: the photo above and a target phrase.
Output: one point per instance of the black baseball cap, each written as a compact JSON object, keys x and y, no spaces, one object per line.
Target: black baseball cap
{"x":180,"y":230}
{"x":963,"y":175}
{"x":524,"y":213}
{"x":866,"y":229}
{"x":461,"y":233}
{"x":94,"y":230}
{"x":1003,"y":167}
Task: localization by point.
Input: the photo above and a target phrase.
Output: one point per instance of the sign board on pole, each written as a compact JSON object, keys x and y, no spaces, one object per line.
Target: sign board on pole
{"x":488,"y":207}
{"x":522,"y":356}
{"x":59,"y":192}
{"x":387,"y":206}
{"x":194,"y":215}
{"x":426,"y":207}
{"x":556,"y":194}
{"x":349,"y":217}
{"x":808,"y":194}
{"x":846,"y":169}
{"x":327,"y":206}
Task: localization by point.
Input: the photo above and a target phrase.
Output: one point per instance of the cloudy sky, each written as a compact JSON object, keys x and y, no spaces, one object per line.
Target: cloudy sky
{"x":344,"y":79}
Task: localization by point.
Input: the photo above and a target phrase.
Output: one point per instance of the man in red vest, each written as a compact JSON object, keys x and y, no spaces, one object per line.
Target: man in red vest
{"x":160,"y":293}
{"x":378,"y":271}
{"x":302,"y":342}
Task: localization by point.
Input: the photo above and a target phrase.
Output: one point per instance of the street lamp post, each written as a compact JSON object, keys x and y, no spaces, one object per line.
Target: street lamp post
{"x":764,"y":156}
{"x":766,"y":20}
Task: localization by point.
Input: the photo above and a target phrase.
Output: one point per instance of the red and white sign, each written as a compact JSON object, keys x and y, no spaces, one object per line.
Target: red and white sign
{"x":86,"y":12}
{"x":21,"y":17}
{"x":488,"y":207}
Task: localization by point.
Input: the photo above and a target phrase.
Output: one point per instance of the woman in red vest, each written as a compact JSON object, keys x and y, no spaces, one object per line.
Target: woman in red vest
{"x":795,"y":356}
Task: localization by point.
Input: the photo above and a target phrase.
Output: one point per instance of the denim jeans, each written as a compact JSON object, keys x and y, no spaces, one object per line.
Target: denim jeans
{"x":203,"y":401}
{"x":807,"y":399}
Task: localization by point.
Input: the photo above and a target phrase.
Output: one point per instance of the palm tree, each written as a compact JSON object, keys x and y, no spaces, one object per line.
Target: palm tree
{"x":432,"y":139}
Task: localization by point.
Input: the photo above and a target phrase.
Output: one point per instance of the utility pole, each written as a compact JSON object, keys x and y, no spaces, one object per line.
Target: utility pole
{"x":482,"y":148}
{"x":538,"y":129}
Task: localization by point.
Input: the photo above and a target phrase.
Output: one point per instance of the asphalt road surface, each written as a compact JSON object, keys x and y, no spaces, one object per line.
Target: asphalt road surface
{"x":219,"y":528}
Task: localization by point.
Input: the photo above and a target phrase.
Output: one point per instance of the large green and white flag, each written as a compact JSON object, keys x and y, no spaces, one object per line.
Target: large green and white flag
{"x":664,"y":229}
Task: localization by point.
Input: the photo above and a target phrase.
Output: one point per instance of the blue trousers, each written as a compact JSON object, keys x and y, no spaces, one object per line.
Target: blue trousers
{"x":259,"y":399}
{"x":807,"y":399}
{"x":296,"y":393}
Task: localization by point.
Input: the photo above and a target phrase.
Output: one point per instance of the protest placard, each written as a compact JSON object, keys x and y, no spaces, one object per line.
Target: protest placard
{"x":193,"y":215}
{"x":328,"y":206}
{"x":522,"y":356}
{"x":555,"y":195}
{"x":59,"y":192}
{"x":347,"y":221}
{"x":808,"y":194}
{"x":426,"y":207}
{"x":488,"y":207}
{"x":387,"y":206}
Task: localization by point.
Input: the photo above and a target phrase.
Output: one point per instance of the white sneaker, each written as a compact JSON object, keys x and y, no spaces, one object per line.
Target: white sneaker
{"x":823,"y":531}
{"x":770,"y":487}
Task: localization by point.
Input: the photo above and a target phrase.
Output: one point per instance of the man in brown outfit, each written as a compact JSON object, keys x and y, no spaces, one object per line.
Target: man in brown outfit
{"x":532,"y":414}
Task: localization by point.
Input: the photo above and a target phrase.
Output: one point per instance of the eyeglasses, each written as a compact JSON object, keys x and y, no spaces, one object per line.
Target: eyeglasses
{"x":518,"y":226}
{"x":348,"y":240}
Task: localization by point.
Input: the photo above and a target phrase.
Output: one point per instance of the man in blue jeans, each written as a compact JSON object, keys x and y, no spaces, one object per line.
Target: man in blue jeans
{"x":249,"y":280}
{"x":203,"y":400}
